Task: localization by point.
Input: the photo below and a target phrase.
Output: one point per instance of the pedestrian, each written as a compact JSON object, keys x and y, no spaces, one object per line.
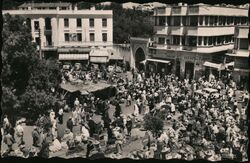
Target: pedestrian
{"x":9,"y":141}
{"x":60,"y":116}
{"x":70,"y":124}
{"x":36,"y":137}
{"x":19,"y":133}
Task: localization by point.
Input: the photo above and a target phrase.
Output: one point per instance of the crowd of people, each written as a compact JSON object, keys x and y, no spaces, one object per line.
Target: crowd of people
{"x":198,"y":126}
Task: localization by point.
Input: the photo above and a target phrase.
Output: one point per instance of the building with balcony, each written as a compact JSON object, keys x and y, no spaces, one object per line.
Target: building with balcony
{"x":239,"y":56}
{"x":187,"y":36}
{"x":64,"y":32}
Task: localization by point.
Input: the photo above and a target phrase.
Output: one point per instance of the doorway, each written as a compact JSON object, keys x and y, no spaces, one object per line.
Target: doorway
{"x":189,"y":70}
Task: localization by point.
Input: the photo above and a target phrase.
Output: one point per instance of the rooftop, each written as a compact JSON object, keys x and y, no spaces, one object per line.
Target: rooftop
{"x":45,"y":5}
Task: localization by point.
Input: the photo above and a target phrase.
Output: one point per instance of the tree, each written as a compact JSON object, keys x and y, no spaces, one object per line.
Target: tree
{"x":26,"y":79}
{"x":153,"y":123}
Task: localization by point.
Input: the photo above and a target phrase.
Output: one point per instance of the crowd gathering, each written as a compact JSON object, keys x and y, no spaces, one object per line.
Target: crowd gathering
{"x":198,"y":126}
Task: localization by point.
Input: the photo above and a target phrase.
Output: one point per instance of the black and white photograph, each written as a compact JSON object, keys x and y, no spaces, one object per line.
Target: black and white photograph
{"x":130,"y":80}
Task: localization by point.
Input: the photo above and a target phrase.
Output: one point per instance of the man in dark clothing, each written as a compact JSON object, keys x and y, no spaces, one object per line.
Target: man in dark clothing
{"x":129,"y":125}
{"x":44,"y":152}
{"x":9,"y":140}
{"x":91,"y":125}
{"x":36,"y":137}
{"x":117,"y":110}
{"x":70,"y":124}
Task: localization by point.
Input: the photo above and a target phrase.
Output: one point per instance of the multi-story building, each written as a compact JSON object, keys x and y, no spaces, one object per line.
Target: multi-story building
{"x":239,"y":56}
{"x":191,"y":40}
{"x":65,"y":32}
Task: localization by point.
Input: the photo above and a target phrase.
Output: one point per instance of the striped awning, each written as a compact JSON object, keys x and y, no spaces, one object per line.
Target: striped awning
{"x":73,"y":56}
{"x":98,"y":59}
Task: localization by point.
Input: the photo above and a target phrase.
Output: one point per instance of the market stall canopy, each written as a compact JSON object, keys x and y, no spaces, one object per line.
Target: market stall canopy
{"x":73,"y":56}
{"x":99,"y":56}
{"x":69,"y":87}
{"x":218,"y":66}
{"x":158,"y":60}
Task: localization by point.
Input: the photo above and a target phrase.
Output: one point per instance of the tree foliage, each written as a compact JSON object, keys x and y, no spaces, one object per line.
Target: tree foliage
{"x":153,"y":123}
{"x":26,"y":79}
{"x":126,"y":22}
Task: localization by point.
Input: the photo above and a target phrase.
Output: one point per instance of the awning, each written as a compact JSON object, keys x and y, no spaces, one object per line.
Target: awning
{"x":72,"y":49}
{"x":73,"y":56}
{"x":239,"y":53}
{"x":230,"y":64}
{"x":241,"y":70}
{"x":99,"y":59}
{"x":158,"y":60}
{"x":99,"y":53}
{"x":213,"y":65}
{"x":69,"y":87}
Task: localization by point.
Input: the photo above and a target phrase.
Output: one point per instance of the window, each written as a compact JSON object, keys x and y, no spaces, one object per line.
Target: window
{"x":47,"y":23}
{"x":104,"y":22}
{"x":220,"y":20}
{"x":214,"y":40}
{"x":79,"y":37}
{"x":176,"y":40}
{"x":162,"y":21}
{"x":92,"y":37}
{"x":193,"y":20}
{"x":66,"y":36}
{"x":192,"y":40}
{"x":66,"y":22}
{"x":36,"y":25}
{"x":79,"y":22}
{"x":104,"y":37}
{"x":205,"y":40}
{"x":177,"y":20}
{"x":169,"y":20}
{"x":223,"y":20}
{"x":216,"y":20}
{"x":228,"y":20}
{"x":37,"y":40}
{"x":48,"y":40}
{"x":199,"y":40}
{"x":91,"y":22}
{"x":161,"y":40}
{"x":201,"y":20}
{"x":206,"y":20}
{"x":244,"y":44}
{"x":183,"y":40}
{"x":184,"y":20}
{"x":210,"y":40}
{"x":155,"y":20}
{"x":211,"y":21}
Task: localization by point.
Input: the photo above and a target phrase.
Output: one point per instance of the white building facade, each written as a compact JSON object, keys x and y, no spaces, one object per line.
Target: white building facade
{"x":187,"y":36}
{"x":66,"y":32}
{"x":239,"y":56}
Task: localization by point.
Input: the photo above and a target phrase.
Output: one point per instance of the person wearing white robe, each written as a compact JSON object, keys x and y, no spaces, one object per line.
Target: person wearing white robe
{"x":136,"y":110}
